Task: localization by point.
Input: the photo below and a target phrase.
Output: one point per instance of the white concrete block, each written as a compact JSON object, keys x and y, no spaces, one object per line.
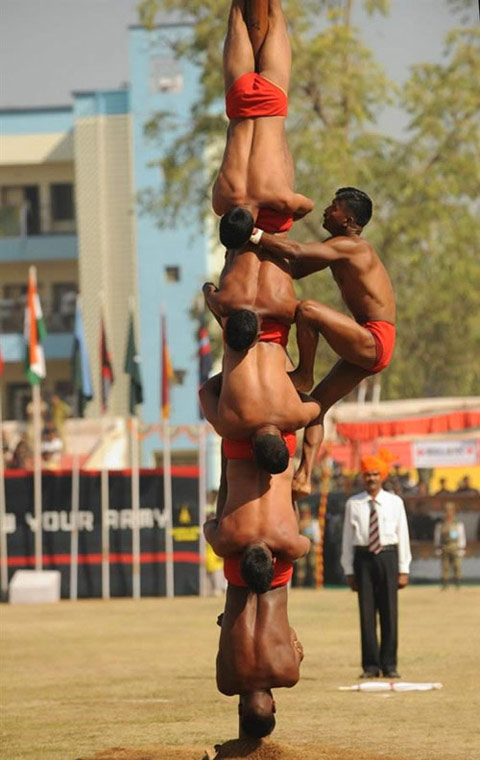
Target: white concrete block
{"x":34,"y":587}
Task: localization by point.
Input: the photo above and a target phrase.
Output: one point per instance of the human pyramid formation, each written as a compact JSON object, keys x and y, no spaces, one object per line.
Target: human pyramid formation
{"x":258,"y":402}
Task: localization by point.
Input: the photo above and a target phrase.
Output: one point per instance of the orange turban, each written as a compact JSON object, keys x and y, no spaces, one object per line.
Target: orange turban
{"x":379,"y":463}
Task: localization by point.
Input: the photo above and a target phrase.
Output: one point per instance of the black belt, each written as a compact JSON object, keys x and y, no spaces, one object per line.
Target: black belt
{"x":386,"y":548}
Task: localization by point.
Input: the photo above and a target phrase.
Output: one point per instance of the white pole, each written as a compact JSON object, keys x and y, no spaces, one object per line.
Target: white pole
{"x":202,"y":504}
{"x":167,"y":498}
{"x":37,"y":475}
{"x":136,"y":577}
{"x":74,"y":514}
{"x":3,"y":526}
{"x":105,"y":529}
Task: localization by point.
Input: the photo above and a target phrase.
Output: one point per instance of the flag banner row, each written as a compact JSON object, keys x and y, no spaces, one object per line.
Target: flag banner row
{"x":57,"y":524}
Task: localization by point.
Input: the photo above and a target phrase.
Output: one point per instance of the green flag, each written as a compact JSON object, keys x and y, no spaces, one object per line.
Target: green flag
{"x":132,"y":368}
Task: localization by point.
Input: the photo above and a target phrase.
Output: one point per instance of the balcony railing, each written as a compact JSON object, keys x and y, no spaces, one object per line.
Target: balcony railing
{"x":57,"y":319}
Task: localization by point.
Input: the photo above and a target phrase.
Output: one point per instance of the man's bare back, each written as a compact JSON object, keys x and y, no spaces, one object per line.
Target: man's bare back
{"x":258,"y":649}
{"x":254,"y":390}
{"x":258,"y":507}
{"x":253,"y":279}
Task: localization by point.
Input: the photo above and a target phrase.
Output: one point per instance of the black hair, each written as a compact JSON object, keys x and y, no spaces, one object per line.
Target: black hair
{"x":357,"y":202}
{"x":241,"y":329}
{"x":236,"y":226}
{"x":256,"y":568}
{"x":271,"y":453}
{"x":257,"y":725}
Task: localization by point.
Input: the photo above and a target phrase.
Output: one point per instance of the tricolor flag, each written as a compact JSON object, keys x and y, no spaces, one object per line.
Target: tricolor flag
{"x":81,"y":375}
{"x":107,"y":377}
{"x":132,"y":368}
{"x":167,"y":372}
{"x":205,"y":358}
{"x":34,"y":332}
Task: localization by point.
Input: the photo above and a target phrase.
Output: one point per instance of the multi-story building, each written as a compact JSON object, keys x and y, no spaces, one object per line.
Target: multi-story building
{"x":70,"y":178}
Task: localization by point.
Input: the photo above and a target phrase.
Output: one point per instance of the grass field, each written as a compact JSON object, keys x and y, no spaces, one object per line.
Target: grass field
{"x":79,"y":678}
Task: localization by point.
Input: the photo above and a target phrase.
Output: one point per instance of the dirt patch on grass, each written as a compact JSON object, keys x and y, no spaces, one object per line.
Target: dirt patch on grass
{"x":237,"y":749}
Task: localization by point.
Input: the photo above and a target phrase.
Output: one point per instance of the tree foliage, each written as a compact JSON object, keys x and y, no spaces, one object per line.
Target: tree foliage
{"x":425,"y":186}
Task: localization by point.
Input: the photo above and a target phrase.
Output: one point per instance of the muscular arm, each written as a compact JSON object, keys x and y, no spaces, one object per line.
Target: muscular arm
{"x":209,"y":394}
{"x":301,"y":205}
{"x":213,"y":297}
{"x":298,"y":548}
{"x":306,"y":258}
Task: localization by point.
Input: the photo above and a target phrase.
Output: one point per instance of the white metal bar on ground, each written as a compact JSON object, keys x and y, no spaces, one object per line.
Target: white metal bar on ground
{"x":135,"y":480}
{"x":37,"y":475}
{"x":105,"y":527}
{"x":3,"y":526}
{"x":74,"y":515}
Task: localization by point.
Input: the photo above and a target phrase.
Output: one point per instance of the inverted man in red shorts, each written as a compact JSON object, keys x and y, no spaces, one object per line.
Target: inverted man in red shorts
{"x":258,"y":651}
{"x":364,"y":343}
{"x":256,"y":177}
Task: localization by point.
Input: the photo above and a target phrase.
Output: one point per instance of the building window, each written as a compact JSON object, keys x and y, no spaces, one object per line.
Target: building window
{"x":61,"y":198}
{"x":62,"y":307}
{"x":172,"y":274}
{"x":19,"y":211}
{"x":179,"y":376}
{"x":12,"y":308}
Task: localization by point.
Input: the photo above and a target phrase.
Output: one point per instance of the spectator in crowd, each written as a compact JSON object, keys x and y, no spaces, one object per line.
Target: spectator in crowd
{"x":50,"y":448}
{"x":465,"y":487}
{"x":443,"y":490}
{"x":60,"y":411}
{"x":306,"y":567}
{"x":22,"y":455}
{"x":376,"y":560}
{"x":6,"y":453}
{"x":450,"y":545}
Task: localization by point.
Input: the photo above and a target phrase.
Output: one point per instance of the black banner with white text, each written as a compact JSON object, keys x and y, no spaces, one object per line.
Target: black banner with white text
{"x":57,"y":524}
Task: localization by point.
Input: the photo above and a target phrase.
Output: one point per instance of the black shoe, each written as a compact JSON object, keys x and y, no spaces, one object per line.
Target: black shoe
{"x":391,"y":674}
{"x":369,"y":674}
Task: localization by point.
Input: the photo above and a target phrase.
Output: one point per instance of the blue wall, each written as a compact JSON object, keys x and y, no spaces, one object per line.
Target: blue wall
{"x":30,"y":121}
{"x":182,"y":246}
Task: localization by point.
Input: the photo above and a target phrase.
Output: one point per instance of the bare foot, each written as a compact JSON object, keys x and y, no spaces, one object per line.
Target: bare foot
{"x":301,"y":485}
{"x":302,"y":381}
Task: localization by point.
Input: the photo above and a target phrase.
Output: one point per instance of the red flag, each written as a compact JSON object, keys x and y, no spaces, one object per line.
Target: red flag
{"x":167,"y":372}
{"x":107,"y":377}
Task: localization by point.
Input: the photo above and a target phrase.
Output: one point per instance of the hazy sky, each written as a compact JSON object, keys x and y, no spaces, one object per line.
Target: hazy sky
{"x":50,"y":47}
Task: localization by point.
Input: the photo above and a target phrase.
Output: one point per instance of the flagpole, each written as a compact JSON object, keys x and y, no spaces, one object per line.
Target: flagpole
{"x":105,"y":527}
{"x":3,"y":524}
{"x":74,"y":513}
{"x":37,"y":475}
{"x":135,"y":481}
{"x":202,"y":504}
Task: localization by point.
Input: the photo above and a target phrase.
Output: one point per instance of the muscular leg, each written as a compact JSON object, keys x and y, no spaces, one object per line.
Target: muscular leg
{"x":238,"y":55}
{"x":257,"y":22}
{"x":348,"y":339}
{"x":274,"y":60}
{"x":341,"y":380}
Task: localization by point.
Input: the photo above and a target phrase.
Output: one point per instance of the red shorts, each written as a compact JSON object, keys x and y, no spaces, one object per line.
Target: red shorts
{"x":252,"y":95}
{"x":384,"y":337}
{"x":244,"y":450}
{"x":272,"y":221}
{"x":272,"y":331}
{"x":282,"y":572}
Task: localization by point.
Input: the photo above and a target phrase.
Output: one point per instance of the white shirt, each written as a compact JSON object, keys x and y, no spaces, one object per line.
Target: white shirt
{"x":392,"y":526}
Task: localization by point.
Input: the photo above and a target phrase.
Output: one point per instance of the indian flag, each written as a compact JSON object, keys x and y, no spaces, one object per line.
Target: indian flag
{"x":34,"y":332}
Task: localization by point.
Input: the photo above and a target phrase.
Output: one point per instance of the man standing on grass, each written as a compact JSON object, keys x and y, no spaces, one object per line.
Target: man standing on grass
{"x":376,"y":560}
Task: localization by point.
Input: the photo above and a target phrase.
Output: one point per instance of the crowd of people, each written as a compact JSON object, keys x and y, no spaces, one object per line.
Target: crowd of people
{"x":17,"y":449}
